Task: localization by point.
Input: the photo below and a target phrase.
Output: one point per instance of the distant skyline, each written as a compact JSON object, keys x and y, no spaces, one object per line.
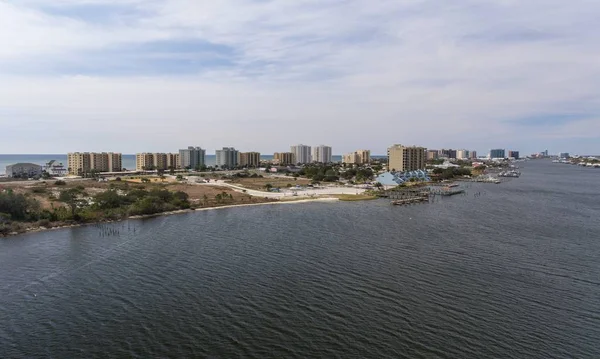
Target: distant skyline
{"x":148,"y":75}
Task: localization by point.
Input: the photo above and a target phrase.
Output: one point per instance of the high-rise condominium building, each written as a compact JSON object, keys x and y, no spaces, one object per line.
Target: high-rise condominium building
{"x":497,"y":153}
{"x":513,"y":154}
{"x":473,"y":155}
{"x":156,"y":161}
{"x":432,"y":155}
{"x":402,"y":158}
{"x":449,"y":153}
{"x":80,"y":163}
{"x":462,"y":154}
{"x":192,"y":157}
{"x":173,"y":161}
{"x":357,"y":157}
{"x":227,"y":157}
{"x":564,"y":155}
{"x":144,"y":161}
{"x":321,"y":154}
{"x":284,"y":158}
{"x":249,"y":159}
{"x":301,"y":153}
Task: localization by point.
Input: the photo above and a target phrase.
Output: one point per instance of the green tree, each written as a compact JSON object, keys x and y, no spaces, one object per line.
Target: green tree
{"x":71,"y":197}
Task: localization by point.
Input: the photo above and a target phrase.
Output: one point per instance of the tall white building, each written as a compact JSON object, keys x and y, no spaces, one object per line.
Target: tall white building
{"x":301,"y":153}
{"x":227,"y":157}
{"x":192,"y":157}
{"x":321,"y":154}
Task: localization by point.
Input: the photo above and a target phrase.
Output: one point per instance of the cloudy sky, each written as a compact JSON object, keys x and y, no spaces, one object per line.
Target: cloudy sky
{"x":158,"y":75}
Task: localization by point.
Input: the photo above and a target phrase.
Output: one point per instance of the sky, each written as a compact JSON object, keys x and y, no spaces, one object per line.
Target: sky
{"x":260,"y":75}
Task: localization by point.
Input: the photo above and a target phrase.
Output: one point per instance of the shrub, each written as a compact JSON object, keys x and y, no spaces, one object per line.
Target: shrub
{"x":60,"y":183}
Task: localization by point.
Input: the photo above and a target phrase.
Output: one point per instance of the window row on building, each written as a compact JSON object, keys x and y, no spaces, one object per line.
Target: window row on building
{"x":81,"y":163}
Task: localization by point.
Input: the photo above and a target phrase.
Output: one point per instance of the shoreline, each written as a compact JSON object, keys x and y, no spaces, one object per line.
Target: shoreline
{"x":169,"y":213}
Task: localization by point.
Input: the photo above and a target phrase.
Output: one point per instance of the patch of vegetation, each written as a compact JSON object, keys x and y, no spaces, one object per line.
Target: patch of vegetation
{"x":450,"y":173}
{"x":120,"y":201}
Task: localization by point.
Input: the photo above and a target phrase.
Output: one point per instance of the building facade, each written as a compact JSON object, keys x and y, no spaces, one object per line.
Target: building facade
{"x":227,"y":157}
{"x":144,"y":161}
{"x":321,"y":154}
{"x":173,"y":161}
{"x":357,"y":157}
{"x":497,"y":153}
{"x":156,"y":161}
{"x":192,"y":158}
{"x":403,"y":158}
{"x":80,"y":163}
{"x":249,"y":159}
{"x":55,"y":168}
{"x":301,"y":153}
{"x":350,"y":158}
{"x":432,"y":155}
{"x":473,"y":155}
{"x":449,"y":153}
{"x":284,"y":158}
{"x":23,"y":169}
{"x":462,"y":154}
{"x":513,"y":154}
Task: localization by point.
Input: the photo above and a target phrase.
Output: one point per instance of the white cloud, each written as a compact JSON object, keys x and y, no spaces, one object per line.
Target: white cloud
{"x":352,"y":74}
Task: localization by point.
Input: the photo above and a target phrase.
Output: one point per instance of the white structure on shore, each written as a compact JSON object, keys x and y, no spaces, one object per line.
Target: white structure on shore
{"x":55,"y":169}
{"x":301,"y":153}
{"x":321,"y":154}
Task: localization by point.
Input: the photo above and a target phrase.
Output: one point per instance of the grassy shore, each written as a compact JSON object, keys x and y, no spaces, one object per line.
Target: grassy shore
{"x":355,"y":197}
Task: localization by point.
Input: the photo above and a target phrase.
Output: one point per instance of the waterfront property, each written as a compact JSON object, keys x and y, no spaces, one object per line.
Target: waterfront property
{"x":359,"y":157}
{"x":301,"y":153}
{"x":80,"y":163}
{"x":156,"y":161}
{"x":403,"y":158}
{"x":393,"y":179}
{"x":497,"y":153}
{"x":321,"y":154}
{"x":249,"y":159}
{"x":23,"y":170}
{"x":227,"y":157}
{"x":284,"y":158}
{"x":55,"y":168}
{"x":192,"y":157}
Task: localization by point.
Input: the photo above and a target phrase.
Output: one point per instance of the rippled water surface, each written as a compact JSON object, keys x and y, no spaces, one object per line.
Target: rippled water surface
{"x":513,"y":273}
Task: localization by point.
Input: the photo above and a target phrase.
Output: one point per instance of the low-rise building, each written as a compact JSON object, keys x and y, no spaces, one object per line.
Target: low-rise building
{"x":23,"y":169}
{"x":55,"y":169}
